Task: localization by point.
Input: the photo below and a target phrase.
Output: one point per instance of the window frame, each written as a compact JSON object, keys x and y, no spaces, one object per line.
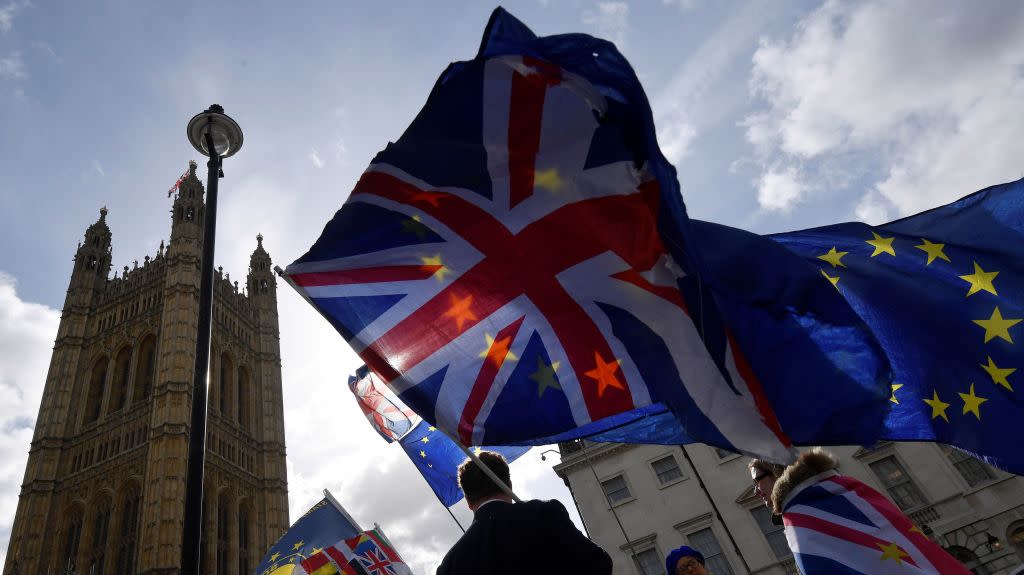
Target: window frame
{"x":626,"y":485}
{"x":657,"y":476}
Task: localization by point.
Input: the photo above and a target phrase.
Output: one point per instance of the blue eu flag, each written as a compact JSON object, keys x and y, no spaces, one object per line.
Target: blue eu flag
{"x":943,"y":292}
{"x":438,"y":458}
{"x":321,"y":526}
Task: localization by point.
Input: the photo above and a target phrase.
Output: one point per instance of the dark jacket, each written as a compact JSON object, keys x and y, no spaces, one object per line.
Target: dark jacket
{"x":534,"y":537}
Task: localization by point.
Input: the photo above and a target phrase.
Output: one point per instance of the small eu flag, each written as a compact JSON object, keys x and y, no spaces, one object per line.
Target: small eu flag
{"x":322,"y":526}
{"x":943,"y":292}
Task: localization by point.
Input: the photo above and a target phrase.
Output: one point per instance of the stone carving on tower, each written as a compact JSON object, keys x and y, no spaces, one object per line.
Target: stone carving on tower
{"x":104,"y":485}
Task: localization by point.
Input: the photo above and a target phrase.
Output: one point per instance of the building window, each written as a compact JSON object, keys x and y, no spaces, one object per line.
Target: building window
{"x":243,"y":541}
{"x":666,"y":469}
{"x":223,"y":525}
{"x":129,"y":534}
{"x":775,"y":534}
{"x":974,"y":472}
{"x":616,"y":490}
{"x":714,"y":559}
{"x":648,"y":562}
{"x":723,"y":453}
{"x":72,"y":535}
{"x":100,"y":532}
{"x":119,"y":391}
{"x":898,"y":483}
{"x":145,"y":370}
{"x":97,"y":383}
{"x":243,"y":397}
{"x":226,"y":396}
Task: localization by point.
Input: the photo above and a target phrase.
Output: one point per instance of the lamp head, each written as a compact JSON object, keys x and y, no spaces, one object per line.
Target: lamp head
{"x":225,"y":132}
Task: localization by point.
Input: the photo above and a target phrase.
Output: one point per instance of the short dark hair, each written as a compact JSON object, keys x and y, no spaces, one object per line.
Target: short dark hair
{"x":476,"y":484}
{"x":761,"y":465}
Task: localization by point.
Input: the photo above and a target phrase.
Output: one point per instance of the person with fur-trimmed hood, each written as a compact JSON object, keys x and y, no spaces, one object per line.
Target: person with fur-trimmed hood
{"x":837,"y":524}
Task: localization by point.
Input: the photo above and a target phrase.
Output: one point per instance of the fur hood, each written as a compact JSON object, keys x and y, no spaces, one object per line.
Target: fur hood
{"x":809,"y":464}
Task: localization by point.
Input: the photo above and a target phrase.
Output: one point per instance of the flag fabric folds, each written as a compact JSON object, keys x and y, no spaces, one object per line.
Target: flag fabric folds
{"x":438,"y":458}
{"x":519,"y":268}
{"x":380,"y":408}
{"x":943,"y":291}
{"x":837,"y":525}
{"x":376,"y":554}
{"x":321,"y":526}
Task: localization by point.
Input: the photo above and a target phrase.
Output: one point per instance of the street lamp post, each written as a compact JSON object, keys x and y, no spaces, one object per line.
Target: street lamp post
{"x":216,"y":135}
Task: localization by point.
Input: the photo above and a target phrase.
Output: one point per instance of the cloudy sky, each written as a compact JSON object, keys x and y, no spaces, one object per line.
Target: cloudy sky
{"x":778,"y":116}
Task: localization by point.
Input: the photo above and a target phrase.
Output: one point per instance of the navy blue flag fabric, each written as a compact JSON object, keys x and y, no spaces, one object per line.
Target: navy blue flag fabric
{"x":322,"y":526}
{"x":519,"y":268}
{"x":943,"y":291}
{"x":438,"y":458}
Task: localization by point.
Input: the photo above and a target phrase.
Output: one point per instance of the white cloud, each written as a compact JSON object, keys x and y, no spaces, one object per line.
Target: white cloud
{"x":27,"y":332}
{"x":683,"y":5}
{"x":96,"y":167}
{"x":12,"y":66}
{"x":873,"y":209}
{"x":932,"y":94}
{"x":675,"y":139}
{"x":610,"y":21}
{"x":314,"y":156}
{"x":779,"y":189}
{"x":7,"y":17}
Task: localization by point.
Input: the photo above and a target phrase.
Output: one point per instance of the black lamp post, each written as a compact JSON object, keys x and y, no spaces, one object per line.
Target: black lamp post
{"x":216,"y":135}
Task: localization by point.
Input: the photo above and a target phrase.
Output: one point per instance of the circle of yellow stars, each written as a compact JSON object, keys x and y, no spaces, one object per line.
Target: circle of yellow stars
{"x":996,"y":326}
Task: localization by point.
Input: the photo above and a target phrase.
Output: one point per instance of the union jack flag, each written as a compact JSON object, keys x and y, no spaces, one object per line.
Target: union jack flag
{"x":836,"y":524}
{"x":512,"y":267}
{"x":385,"y":415}
{"x":376,"y":555}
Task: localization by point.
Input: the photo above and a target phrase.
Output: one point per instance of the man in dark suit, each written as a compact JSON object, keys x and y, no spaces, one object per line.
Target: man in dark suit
{"x":515,"y":538}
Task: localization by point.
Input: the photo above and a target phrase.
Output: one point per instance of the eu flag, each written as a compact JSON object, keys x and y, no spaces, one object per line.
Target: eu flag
{"x":438,"y":458}
{"x":943,"y":292}
{"x":323,"y":525}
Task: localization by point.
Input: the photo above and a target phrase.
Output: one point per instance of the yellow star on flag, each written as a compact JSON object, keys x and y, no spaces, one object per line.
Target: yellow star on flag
{"x":498,"y":351}
{"x":460,"y":310}
{"x":298,"y":545}
{"x":833,"y":280}
{"x":545,"y":376}
{"x":998,"y":374}
{"x":423,"y":454}
{"x":833,"y":257}
{"x":477,"y":450}
{"x":436,"y":261}
{"x":317,"y":550}
{"x":881,"y":245}
{"x":916,"y":529}
{"x":980,"y":280}
{"x":933,"y":251}
{"x":425,"y":439}
{"x":938,"y":406}
{"x":414,"y":227}
{"x":972,"y":403}
{"x":996,"y":326}
{"x":548,"y":179}
{"x":431,"y":428}
{"x":892,"y":551}
{"x":604,"y":373}
{"x":895,"y":387}
{"x":275,"y":556}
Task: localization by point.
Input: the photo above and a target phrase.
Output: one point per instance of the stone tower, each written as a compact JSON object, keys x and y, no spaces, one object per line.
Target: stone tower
{"x":104,"y":485}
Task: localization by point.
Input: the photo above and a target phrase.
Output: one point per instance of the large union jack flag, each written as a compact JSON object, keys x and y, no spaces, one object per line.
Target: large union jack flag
{"x":512,"y":267}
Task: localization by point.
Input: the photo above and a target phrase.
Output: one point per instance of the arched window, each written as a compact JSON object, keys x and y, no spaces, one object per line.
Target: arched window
{"x":145,"y":369}
{"x":129,"y":533}
{"x":72,"y":535}
{"x":227,"y":371}
{"x":244,"y":401}
{"x":224,"y":521}
{"x":97,"y":383}
{"x":1015,"y":536}
{"x":968,"y":558}
{"x":119,"y":390}
{"x":100,"y":538}
{"x":243,"y":540}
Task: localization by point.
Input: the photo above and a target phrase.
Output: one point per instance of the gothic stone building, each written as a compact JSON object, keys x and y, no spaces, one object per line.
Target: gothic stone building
{"x":104,"y":485}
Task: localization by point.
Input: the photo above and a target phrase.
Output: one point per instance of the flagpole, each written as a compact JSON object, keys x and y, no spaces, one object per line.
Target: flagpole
{"x":338,"y":506}
{"x":448,"y":509}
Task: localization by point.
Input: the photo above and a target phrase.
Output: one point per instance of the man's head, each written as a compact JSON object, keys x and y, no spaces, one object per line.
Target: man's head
{"x":685,"y":561}
{"x":475,"y":483}
{"x":764,"y":475}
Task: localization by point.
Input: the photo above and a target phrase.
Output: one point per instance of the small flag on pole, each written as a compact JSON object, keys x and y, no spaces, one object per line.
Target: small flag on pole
{"x":184,"y":175}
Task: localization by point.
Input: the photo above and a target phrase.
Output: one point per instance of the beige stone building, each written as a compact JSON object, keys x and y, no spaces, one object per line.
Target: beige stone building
{"x":667,"y":496}
{"x":104,"y":486}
